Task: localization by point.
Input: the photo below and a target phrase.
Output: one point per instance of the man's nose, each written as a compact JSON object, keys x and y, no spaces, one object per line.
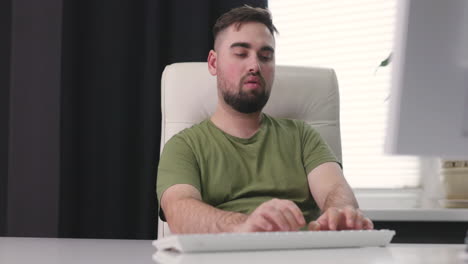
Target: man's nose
{"x":254,"y":65}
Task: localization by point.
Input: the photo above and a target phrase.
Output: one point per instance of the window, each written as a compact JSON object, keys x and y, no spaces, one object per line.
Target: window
{"x":352,"y":37}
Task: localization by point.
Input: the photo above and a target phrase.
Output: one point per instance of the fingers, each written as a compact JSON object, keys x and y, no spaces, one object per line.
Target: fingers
{"x":334,"y":218}
{"x":348,"y":218}
{"x":293,"y":222}
{"x":297,"y":213}
{"x":359,"y":221}
{"x":314,"y":226}
{"x":277,"y":215}
{"x":362,"y":222}
{"x":284,"y":215}
{"x":323,"y":222}
{"x":368,"y":224}
{"x":262,"y":224}
{"x":277,"y":219}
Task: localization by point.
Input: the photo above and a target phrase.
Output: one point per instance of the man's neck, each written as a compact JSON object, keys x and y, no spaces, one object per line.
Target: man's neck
{"x":235,"y":123}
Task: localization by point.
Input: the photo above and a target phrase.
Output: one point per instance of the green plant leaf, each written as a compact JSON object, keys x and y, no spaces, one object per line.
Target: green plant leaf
{"x":387,"y":61}
{"x":384,"y":63}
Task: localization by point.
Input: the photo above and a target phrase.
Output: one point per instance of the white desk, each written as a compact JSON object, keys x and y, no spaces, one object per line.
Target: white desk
{"x":87,"y":251}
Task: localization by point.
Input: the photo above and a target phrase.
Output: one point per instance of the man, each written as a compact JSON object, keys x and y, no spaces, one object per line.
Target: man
{"x":242,"y":170}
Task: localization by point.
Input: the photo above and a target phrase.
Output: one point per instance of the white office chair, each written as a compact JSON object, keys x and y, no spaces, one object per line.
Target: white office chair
{"x":189,"y":95}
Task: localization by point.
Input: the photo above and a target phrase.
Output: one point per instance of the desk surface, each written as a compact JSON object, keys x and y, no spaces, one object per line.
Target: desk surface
{"x":54,"y":251}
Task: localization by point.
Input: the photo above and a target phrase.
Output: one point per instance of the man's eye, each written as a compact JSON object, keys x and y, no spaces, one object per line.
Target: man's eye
{"x":242,"y":55}
{"x":265,"y":58}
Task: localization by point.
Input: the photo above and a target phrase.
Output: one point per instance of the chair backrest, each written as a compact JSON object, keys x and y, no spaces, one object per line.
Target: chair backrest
{"x":189,"y":96}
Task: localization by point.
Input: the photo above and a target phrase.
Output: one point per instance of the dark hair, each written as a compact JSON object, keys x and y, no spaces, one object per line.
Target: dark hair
{"x":241,"y":15}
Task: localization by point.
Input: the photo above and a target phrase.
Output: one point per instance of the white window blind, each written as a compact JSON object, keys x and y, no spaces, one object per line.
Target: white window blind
{"x":352,"y":37}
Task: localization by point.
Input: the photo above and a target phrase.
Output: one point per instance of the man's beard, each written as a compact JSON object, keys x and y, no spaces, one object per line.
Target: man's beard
{"x":242,"y":101}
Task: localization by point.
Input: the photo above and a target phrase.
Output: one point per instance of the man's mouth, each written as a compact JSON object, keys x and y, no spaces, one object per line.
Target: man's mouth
{"x":252,"y":82}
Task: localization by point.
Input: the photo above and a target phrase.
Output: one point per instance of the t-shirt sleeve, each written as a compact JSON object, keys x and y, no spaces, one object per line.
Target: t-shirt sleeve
{"x":315,"y":150}
{"x":177,"y":165}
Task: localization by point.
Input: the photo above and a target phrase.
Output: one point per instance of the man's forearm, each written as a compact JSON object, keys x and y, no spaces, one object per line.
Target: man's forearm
{"x":194,"y":216}
{"x":341,"y":196}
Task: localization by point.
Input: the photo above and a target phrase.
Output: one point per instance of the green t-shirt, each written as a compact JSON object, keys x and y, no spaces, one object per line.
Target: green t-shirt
{"x":237,"y":174}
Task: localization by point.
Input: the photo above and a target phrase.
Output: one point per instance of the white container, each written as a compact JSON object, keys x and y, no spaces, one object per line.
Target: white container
{"x":455,"y":182}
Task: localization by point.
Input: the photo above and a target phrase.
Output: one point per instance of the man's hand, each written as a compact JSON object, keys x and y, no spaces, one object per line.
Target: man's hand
{"x":273,"y":215}
{"x":347,"y":218}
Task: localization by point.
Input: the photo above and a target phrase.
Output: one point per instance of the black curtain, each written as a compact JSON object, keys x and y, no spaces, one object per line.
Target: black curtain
{"x":113,"y":55}
{"x":5,"y":49}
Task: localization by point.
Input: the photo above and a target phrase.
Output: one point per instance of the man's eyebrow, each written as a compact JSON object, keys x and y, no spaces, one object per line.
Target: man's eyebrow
{"x":268,"y":48}
{"x":248,"y":46}
{"x":241,"y":44}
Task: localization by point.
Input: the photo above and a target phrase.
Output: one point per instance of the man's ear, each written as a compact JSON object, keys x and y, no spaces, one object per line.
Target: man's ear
{"x":212,"y":56}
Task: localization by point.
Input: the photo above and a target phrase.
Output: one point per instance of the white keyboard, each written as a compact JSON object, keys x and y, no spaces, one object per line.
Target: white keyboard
{"x":274,"y":240}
